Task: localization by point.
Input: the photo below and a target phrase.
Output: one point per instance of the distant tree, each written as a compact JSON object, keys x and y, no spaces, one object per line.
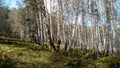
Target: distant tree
{"x":4,"y":23}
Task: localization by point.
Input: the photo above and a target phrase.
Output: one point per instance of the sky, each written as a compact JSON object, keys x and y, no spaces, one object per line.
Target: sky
{"x":117,"y":4}
{"x":12,"y":3}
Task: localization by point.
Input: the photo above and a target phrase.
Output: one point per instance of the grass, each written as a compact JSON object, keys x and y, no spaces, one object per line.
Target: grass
{"x":23,"y":54}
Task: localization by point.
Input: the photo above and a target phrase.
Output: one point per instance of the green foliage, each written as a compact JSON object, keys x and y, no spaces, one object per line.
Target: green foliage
{"x":90,"y":55}
{"x":7,"y":63}
{"x":23,"y":54}
{"x":5,"y":28}
{"x":56,"y":57}
{"x":79,"y":62}
{"x":14,"y":41}
{"x":10,"y":63}
{"x":112,"y":62}
{"x":74,"y":62}
{"x":34,"y":47}
{"x":74,"y":53}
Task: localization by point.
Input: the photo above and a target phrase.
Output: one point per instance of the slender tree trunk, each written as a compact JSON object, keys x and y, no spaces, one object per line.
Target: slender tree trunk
{"x":51,"y":44}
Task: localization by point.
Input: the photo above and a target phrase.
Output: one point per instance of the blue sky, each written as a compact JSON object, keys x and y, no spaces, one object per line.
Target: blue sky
{"x":117,"y":3}
{"x":12,"y":3}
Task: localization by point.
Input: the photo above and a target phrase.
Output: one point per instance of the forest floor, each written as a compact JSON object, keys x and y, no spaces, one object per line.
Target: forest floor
{"x":22,"y":54}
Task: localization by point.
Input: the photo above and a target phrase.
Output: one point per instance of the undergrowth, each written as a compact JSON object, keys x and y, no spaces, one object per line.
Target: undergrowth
{"x":23,"y":54}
